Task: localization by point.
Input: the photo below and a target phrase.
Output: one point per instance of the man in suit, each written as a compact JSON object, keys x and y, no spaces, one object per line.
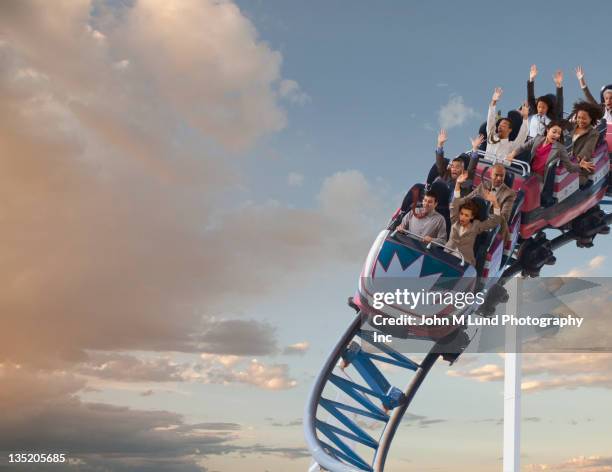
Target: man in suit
{"x":496,"y":191}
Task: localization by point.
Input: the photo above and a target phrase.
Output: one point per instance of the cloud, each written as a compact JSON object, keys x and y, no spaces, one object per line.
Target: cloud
{"x":238,"y":337}
{"x":295,"y":179}
{"x":551,"y":371}
{"x":421,"y":421}
{"x":485,"y":373}
{"x":577,"y":464}
{"x":100,"y":436}
{"x":114,"y":237}
{"x":455,"y":113}
{"x":254,"y":372}
{"x":122,"y":127}
{"x":296,"y":349}
{"x":588,"y":269}
{"x":290,"y":90}
{"x":285,"y":424}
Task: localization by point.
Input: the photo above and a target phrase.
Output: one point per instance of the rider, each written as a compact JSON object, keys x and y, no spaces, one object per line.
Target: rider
{"x":426,"y":222}
{"x":606,"y":95}
{"x":466,"y":227}
{"x":444,"y":183}
{"x":543,"y":110}
{"x":545,"y":149}
{"x":497,"y":192}
{"x":498,"y":142}
{"x":584,"y":135}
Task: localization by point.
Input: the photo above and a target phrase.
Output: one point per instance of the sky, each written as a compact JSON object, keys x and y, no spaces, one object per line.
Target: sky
{"x":189,"y":190}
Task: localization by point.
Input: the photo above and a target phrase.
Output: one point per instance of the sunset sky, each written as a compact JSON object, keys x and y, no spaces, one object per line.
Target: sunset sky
{"x":189,"y":190}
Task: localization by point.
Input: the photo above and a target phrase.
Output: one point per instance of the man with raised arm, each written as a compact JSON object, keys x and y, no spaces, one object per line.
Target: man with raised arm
{"x":606,"y":95}
{"x":543,"y":110}
{"x":498,"y":139}
{"x":448,"y":173}
{"x":426,"y":222}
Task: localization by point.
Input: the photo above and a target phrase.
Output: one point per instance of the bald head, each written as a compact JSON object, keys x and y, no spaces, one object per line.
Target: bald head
{"x":498,"y":173}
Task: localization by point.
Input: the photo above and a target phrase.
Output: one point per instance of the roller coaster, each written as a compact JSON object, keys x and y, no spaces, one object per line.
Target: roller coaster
{"x":353,"y":410}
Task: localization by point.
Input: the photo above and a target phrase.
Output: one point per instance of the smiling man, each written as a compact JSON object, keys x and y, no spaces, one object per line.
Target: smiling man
{"x":426,"y":222}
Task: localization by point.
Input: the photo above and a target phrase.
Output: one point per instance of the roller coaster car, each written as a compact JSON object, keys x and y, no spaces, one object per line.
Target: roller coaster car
{"x":560,"y":203}
{"x":563,"y":198}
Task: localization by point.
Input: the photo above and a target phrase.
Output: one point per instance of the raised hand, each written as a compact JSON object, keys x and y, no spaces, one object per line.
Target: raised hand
{"x":533,"y":72}
{"x":442,"y":137}
{"x":497,"y":93}
{"x":462,"y":177}
{"x":490,"y":196}
{"x":580,"y":76}
{"x":558,"y":78}
{"x":525,"y":110}
{"x":477,"y":141}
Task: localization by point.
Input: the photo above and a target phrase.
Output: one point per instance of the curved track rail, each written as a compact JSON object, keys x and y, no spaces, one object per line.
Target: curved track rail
{"x":368,"y":401}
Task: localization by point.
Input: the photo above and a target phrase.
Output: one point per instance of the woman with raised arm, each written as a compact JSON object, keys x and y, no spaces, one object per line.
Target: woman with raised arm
{"x":543,"y":109}
{"x":606,"y":95}
{"x":545,"y":149}
{"x":498,"y":136}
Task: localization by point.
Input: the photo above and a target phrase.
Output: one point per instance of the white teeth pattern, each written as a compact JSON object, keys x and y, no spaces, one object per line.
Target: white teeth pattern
{"x":413,"y":271}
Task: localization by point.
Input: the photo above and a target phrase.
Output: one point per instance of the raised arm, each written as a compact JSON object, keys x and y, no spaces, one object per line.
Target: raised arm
{"x":524,"y":130}
{"x":454,"y":209}
{"x":497,"y":93}
{"x":440,"y":161}
{"x":474,"y":158}
{"x":533,"y":72}
{"x":558,"y":78}
{"x":583,"y":86}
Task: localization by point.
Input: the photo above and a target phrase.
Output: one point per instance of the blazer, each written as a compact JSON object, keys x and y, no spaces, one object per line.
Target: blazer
{"x":557,"y":151}
{"x":585,"y":144}
{"x":505,"y":197}
{"x":464,"y":243}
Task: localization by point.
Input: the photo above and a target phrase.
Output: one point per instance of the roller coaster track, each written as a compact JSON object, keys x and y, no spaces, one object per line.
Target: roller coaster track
{"x":344,"y":441}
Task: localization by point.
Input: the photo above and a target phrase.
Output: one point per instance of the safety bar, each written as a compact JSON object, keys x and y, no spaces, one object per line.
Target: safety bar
{"x":455,"y":252}
{"x":495,"y":159}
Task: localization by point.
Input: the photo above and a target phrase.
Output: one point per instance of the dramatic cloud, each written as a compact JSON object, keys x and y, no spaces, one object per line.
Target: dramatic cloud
{"x":123,"y":128}
{"x":114,"y":162}
{"x":455,"y":113}
{"x":106,"y":437}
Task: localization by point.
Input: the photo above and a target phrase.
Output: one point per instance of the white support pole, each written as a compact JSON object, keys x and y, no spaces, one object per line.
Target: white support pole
{"x":512,"y":385}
